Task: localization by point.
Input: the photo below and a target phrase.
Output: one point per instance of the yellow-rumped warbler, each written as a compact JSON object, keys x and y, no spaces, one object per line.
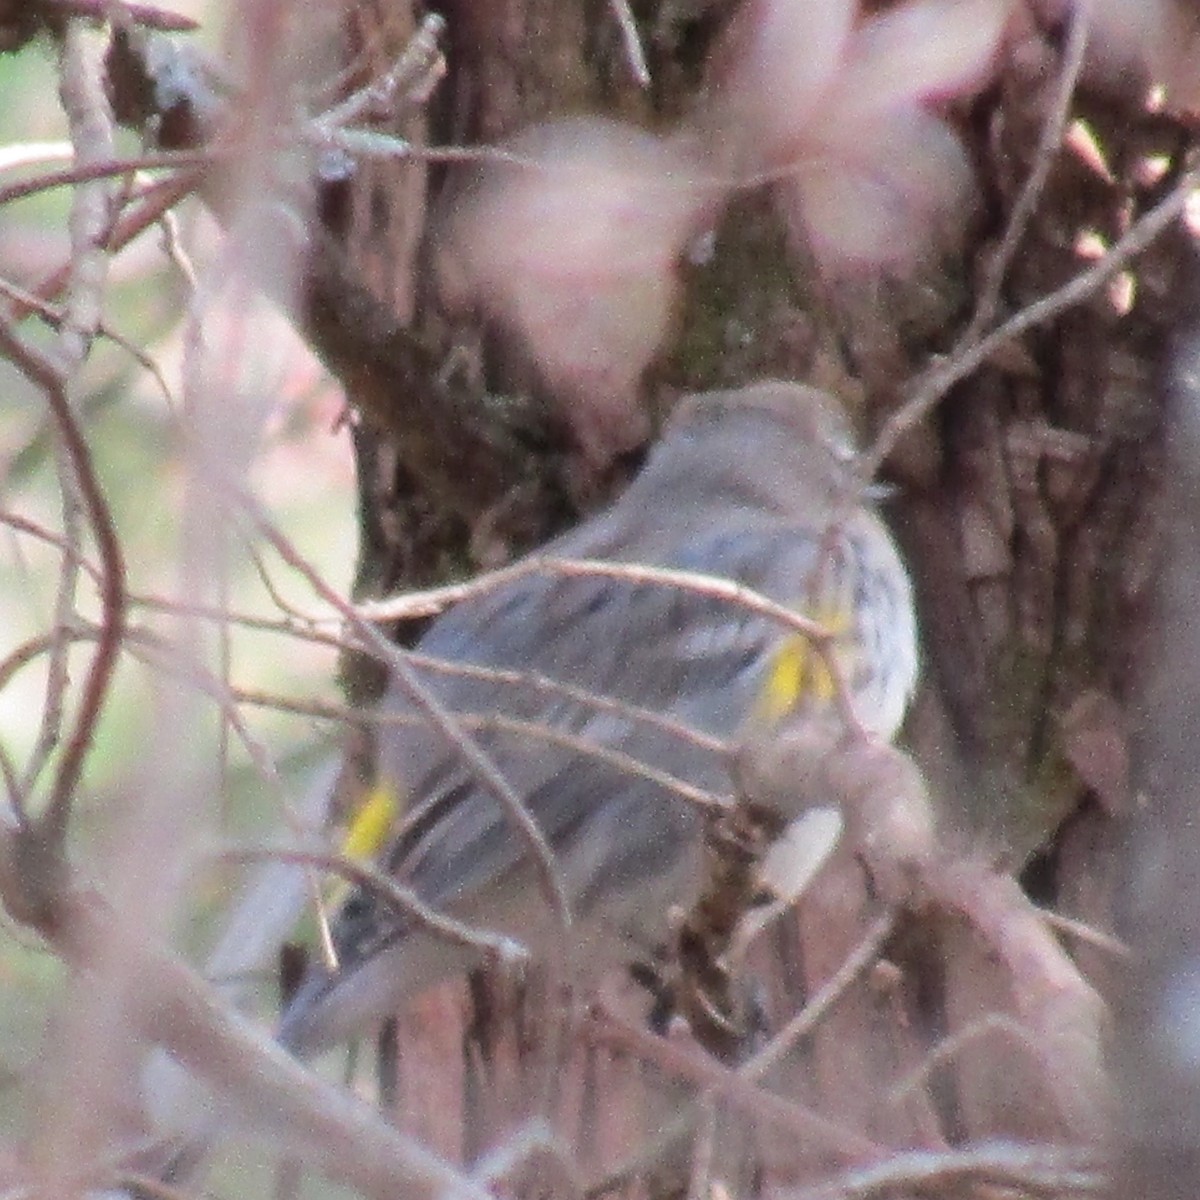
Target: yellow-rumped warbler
{"x":754,"y":485}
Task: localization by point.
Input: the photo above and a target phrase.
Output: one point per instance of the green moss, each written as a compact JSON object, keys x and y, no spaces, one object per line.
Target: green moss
{"x":738,"y":291}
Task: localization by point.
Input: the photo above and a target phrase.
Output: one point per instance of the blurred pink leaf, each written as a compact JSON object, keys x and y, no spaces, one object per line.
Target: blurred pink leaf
{"x":774,"y":63}
{"x":873,"y":178}
{"x":574,"y":250}
{"x":880,"y":199}
{"x":932,"y":50}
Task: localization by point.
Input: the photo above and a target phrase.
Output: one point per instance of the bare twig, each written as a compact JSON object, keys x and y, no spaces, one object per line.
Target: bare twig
{"x":537,"y":731}
{"x":312,"y":629}
{"x":440,"y":718}
{"x":91,"y":136}
{"x":1028,"y":1169}
{"x":35,"y":530}
{"x":176,"y":253}
{"x":691,"y":1064}
{"x":34,"y":647}
{"x":54,"y":316}
{"x":12,"y":786}
{"x":1081,"y":931}
{"x":388,"y":891}
{"x":1048,"y":147}
{"x":634,"y":54}
{"x":928,"y":389}
{"x":149,"y":15}
{"x":949,"y":1048}
{"x":301,"y":627}
{"x":104,"y":169}
{"x":436,"y":600}
{"x":806,"y":1020}
{"x":480,"y":722}
{"x":579,"y":695}
{"x":153,"y":203}
{"x":325,"y":1125}
{"x":412,"y":74}
{"x":91,"y":133}
{"x":19,"y":155}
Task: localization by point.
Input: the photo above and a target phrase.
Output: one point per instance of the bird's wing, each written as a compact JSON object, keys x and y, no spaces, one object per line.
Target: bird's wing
{"x":696,"y":658}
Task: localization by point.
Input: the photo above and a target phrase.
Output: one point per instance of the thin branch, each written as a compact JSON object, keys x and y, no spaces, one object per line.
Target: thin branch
{"x":153,"y":203}
{"x":546,"y":869}
{"x":412,"y":74}
{"x":58,"y":669}
{"x":631,"y":40}
{"x":17,"y":800}
{"x":864,"y":955}
{"x":104,"y":169}
{"x":1041,"y":1170}
{"x":579,"y":695}
{"x":23,"y":155}
{"x":689,"y":1063}
{"x":928,"y":389}
{"x":90,"y":123}
{"x":302,"y":627}
{"x":440,"y":718}
{"x":91,"y":133}
{"x":54,"y":316}
{"x":163,"y":655}
{"x":949,"y":1048}
{"x":174,"y":249}
{"x":436,"y":600}
{"x":325,"y":1125}
{"x":43,"y":643}
{"x":1081,"y":931}
{"x":310,"y":628}
{"x":1048,"y":147}
{"x":385,"y":889}
{"x":258,"y":563}
{"x":149,"y":15}
{"x":25,"y":525}
{"x":537,"y":731}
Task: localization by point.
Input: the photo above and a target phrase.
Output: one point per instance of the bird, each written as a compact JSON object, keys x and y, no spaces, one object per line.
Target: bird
{"x":754,"y":485}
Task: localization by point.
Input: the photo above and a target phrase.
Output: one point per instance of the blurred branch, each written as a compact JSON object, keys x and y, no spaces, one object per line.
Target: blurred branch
{"x":1158,"y":1062}
{"x":39,"y":845}
{"x":54,"y":316}
{"x":406,"y":679}
{"x":466,"y":451}
{"x":412,"y":77}
{"x":324,"y":1125}
{"x":21,"y":21}
{"x":35,"y":866}
{"x":631,"y":40}
{"x":857,"y":963}
{"x":79,"y":173}
{"x":688,"y":1063}
{"x":1033,"y":1170}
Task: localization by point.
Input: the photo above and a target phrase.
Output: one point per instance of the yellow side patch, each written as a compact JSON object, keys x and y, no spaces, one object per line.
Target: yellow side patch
{"x":366,"y":836}
{"x":370,"y":826}
{"x":797,"y":673}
